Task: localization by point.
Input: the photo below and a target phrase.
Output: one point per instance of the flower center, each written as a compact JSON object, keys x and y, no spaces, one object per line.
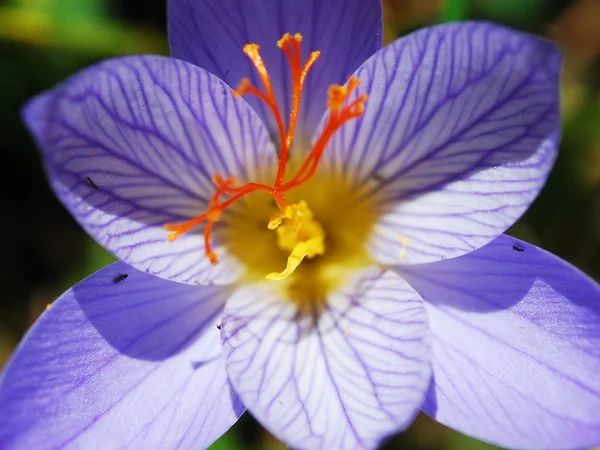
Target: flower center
{"x":297,"y":230}
{"x":338,"y":216}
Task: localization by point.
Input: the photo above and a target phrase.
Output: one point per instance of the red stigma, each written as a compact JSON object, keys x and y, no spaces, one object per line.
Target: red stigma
{"x":339,"y":114}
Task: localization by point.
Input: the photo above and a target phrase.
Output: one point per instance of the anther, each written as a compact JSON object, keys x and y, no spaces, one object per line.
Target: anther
{"x":287,"y":37}
{"x":312,"y":58}
{"x":242,"y":88}
{"x":339,"y":94}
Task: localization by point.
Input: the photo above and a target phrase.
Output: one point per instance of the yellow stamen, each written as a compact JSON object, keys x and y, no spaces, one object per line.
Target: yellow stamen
{"x":301,"y":234}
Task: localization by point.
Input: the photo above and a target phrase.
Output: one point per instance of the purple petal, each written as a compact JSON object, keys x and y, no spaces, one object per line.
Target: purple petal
{"x":133,"y":364}
{"x":516,"y":346}
{"x":132,"y":144}
{"x":212,"y":34}
{"x":344,"y":378}
{"x":458,"y":136}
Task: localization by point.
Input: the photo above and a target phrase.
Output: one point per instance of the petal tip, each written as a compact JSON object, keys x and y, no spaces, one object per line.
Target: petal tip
{"x":35,"y":112}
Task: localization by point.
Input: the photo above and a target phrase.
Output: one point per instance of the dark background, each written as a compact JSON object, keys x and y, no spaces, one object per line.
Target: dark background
{"x":43,"y":250}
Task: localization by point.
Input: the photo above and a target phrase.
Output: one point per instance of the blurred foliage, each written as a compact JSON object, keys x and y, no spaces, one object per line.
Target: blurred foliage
{"x":76,"y":26}
{"x":44,"y":41}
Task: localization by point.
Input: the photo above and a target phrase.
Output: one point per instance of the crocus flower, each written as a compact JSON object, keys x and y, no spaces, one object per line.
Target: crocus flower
{"x":311,"y":228}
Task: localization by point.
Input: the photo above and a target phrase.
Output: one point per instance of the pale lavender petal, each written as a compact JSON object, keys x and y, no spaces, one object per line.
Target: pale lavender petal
{"x":132,"y":364}
{"x":516,"y":344}
{"x":212,"y":34}
{"x":341,"y":379}
{"x":132,"y":144}
{"x":460,"y":131}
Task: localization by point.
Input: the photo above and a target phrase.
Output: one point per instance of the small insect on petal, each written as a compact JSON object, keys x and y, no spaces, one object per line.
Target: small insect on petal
{"x":219,"y":327}
{"x":92,"y":184}
{"x":518,"y":248}
{"x":120,"y":278}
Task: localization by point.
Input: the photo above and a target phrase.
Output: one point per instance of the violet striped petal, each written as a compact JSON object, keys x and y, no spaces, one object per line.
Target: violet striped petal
{"x":134,"y":364}
{"x":341,"y":379}
{"x":212,"y":34}
{"x":132,"y":144}
{"x":516,"y":345}
{"x":458,"y":136}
